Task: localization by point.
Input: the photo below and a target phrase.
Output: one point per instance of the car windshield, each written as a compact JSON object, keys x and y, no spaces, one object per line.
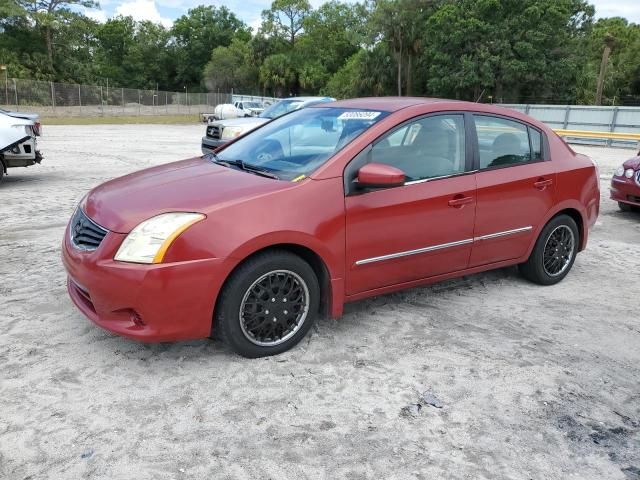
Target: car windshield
{"x":295,"y":145}
{"x":280,"y":108}
{"x":252,"y":105}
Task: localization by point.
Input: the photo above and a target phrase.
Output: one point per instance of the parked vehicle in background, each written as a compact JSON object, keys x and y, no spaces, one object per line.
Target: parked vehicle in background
{"x":18,"y":144}
{"x":220,"y":132}
{"x":234,"y":110}
{"x":37,"y":127}
{"x":625,"y":185}
{"x":328,"y":204}
{"x":249,"y":109}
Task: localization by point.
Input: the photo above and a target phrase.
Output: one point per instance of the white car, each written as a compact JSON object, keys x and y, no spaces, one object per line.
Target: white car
{"x":234,"y":110}
{"x":221,"y":131}
{"x":18,"y":145}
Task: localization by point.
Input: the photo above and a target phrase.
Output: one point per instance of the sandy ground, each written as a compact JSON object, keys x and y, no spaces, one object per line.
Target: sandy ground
{"x":534,"y":382}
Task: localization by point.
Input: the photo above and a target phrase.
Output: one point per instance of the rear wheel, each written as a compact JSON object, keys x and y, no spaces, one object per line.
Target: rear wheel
{"x":554,"y":252}
{"x":268,"y":304}
{"x":625,"y":207}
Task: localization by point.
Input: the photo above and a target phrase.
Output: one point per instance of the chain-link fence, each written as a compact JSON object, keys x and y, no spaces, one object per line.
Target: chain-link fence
{"x":51,"y":99}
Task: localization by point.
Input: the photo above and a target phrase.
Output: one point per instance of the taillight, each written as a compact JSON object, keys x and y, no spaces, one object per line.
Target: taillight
{"x":36,"y":127}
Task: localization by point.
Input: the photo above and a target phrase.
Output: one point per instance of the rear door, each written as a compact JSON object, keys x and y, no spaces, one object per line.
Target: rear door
{"x":516,"y":185}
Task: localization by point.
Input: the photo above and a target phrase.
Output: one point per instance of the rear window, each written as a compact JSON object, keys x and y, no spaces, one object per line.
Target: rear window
{"x":501,"y":142}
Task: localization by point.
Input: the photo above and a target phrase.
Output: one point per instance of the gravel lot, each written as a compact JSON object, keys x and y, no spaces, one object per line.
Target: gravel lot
{"x":534,"y":382}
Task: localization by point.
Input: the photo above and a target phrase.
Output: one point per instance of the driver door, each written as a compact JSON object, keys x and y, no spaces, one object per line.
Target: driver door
{"x":424,"y":227}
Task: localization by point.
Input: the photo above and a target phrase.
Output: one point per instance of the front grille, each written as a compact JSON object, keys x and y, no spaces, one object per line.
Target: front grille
{"x":213,"y":131}
{"x":85,"y":233}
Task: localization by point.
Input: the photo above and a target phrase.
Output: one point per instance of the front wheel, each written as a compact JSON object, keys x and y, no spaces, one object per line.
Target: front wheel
{"x":268,"y":304}
{"x":554,"y":252}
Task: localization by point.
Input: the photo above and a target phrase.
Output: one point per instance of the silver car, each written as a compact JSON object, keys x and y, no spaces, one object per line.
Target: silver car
{"x":220,"y":132}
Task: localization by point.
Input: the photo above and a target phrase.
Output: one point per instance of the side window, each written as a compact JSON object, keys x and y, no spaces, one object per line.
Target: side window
{"x":501,"y":142}
{"x":431,"y":147}
{"x":536,"y":144}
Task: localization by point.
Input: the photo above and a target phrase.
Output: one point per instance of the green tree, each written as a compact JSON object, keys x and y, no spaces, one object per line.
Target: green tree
{"x":196,"y":34}
{"x":339,"y":28}
{"x":278,"y":74}
{"x":514,"y":50}
{"x":231,"y":68}
{"x":367,"y":72}
{"x":623,"y":71}
{"x":285,"y":19}
{"x":400,"y":24}
{"x":47,"y":17}
{"x":10,"y":8}
{"x":133,"y":54}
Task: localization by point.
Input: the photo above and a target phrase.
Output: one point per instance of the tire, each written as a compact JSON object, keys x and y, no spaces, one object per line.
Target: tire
{"x":2,"y":171}
{"x":256,"y":293}
{"x":552,"y":267}
{"x":625,"y":207}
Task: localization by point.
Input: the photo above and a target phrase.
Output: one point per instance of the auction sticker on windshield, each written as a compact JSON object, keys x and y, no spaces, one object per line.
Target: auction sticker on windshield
{"x":358,"y":115}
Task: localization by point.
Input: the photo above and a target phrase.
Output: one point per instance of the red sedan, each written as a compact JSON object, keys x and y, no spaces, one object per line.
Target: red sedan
{"x":329,"y":204}
{"x":625,"y":185}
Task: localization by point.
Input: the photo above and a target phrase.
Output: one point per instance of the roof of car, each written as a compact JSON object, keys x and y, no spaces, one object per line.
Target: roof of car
{"x":385,"y":104}
{"x":309,"y":99}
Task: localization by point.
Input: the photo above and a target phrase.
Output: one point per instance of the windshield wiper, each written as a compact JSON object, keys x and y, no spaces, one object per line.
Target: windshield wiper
{"x":226,"y":163}
{"x":247,"y":167}
{"x":259,"y":170}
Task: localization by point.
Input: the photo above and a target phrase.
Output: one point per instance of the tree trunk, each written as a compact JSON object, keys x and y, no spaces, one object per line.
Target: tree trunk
{"x":400,"y":69}
{"x":603,"y":71}
{"x":48,"y":36}
{"x":409,"y":85}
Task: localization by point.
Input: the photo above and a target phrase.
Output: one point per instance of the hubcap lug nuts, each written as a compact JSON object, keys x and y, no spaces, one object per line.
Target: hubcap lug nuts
{"x":285,"y":312}
{"x":266,"y":312}
{"x":275,"y":319}
{"x":284,"y":300}
{"x":273,"y":299}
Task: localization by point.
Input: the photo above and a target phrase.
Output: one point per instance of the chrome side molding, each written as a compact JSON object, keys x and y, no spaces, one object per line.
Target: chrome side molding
{"x":414,"y":252}
{"x":432,"y":248}
{"x":502,"y":234}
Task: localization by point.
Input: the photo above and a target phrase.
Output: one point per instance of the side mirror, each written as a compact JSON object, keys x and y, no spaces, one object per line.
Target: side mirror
{"x":379,"y":175}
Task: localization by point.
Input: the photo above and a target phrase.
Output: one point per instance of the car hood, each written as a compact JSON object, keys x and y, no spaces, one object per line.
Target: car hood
{"x":246,"y":122}
{"x":632,"y":163}
{"x":26,"y":116}
{"x":194,"y":185}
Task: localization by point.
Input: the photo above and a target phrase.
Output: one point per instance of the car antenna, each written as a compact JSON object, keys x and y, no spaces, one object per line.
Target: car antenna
{"x":481,"y":94}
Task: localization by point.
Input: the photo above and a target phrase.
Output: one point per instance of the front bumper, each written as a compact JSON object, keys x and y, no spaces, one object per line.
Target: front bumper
{"x":209,"y":144}
{"x":625,"y":190}
{"x":150,"y":303}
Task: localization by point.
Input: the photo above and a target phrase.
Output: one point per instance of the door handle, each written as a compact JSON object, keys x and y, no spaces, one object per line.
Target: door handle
{"x":543,"y":183}
{"x":459,"y":201}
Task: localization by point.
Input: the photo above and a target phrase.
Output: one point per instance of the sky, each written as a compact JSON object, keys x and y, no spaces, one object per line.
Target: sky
{"x":165,"y":11}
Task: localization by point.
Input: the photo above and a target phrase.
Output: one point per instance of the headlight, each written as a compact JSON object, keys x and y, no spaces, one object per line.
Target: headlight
{"x":619,"y":171}
{"x":231,"y":132}
{"x":628,"y":172}
{"x":149,"y":241}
